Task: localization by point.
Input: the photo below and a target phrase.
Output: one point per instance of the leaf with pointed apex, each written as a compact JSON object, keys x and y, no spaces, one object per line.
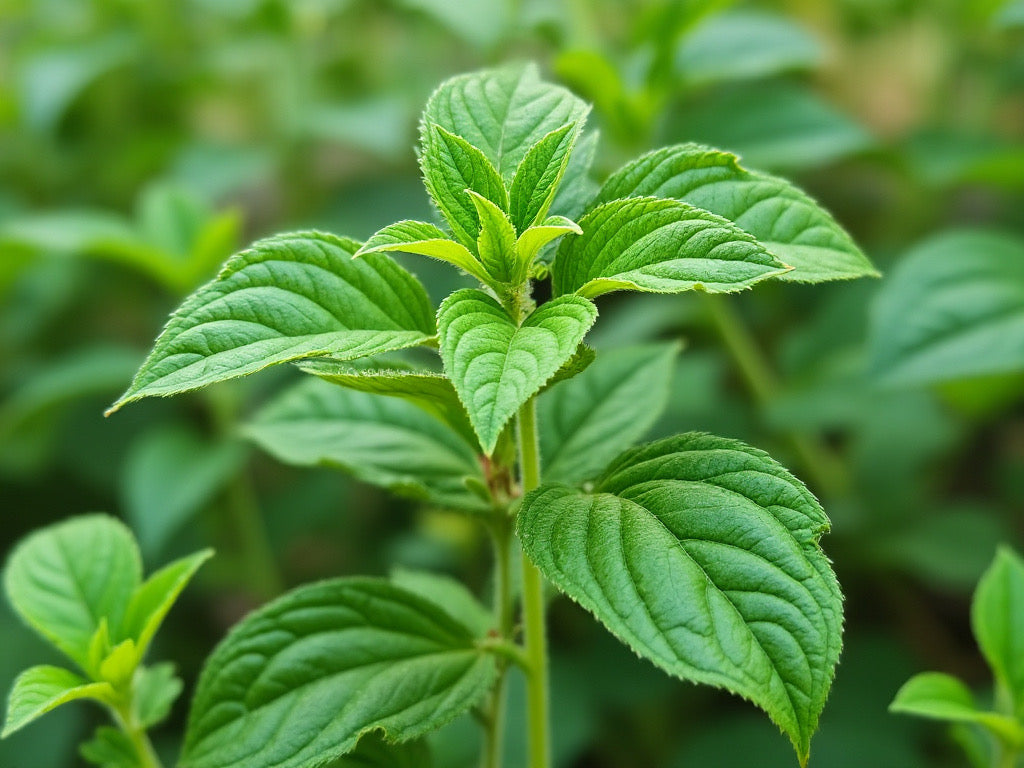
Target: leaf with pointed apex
{"x":300,"y":680}
{"x":496,"y":243}
{"x":156,"y":689}
{"x":41,"y":689}
{"x":787,"y":222}
{"x":531,"y":242}
{"x":575,"y":365}
{"x":64,"y":580}
{"x":385,"y":441}
{"x":503,"y":112}
{"x":537,"y":178}
{"x":451,"y":166}
{"x":701,"y":554}
{"x":577,"y":188}
{"x":495,"y":366}
{"x":659,"y":246}
{"x":286,"y":298}
{"x":587,"y":421}
{"x":997,"y":618}
{"x":426,"y":240}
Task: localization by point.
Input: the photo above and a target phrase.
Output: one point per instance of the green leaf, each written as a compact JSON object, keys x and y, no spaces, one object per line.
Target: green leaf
{"x":701,"y":554}
{"x":62,"y":580}
{"x":588,"y":420}
{"x":535,"y":238}
{"x":577,"y":187}
{"x":40,"y":689}
{"x":299,"y":681}
{"x":659,"y":246}
{"x":503,"y":112}
{"x":152,"y":601}
{"x":537,"y":178}
{"x":287,"y":297}
{"x":786,"y":221}
{"x":426,"y":240}
{"x":156,"y":688}
{"x":495,"y":366}
{"x":496,"y":243}
{"x":111,"y":748}
{"x":997,"y":618}
{"x":943,"y":697}
{"x":451,"y":167}
{"x":953,"y":308}
{"x":449,"y":594}
{"x":380,"y":440}
{"x":374,"y":751}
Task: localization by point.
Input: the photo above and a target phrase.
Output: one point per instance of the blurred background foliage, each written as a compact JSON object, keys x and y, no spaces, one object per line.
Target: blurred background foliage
{"x":143,"y":141}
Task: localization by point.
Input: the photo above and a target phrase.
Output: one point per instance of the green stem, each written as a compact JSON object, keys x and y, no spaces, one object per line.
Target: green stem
{"x":537,"y":703}
{"x":494,"y":730}
{"x":138,"y":738}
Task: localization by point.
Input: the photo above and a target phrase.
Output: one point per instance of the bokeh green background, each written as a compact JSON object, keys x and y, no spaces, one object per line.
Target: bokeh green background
{"x":142,"y":141}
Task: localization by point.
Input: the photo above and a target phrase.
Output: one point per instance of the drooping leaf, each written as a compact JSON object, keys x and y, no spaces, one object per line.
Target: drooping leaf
{"x":588,"y":420}
{"x":385,"y":441}
{"x":111,"y":748}
{"x":451,"y":166}
{"x":997,"y":618}
{"x":539,"y":174}
{"x":287,"y":297}
{"x":503,"y":112}
{"x":786,"y":221}
{"x":62,"y":580}
{"x":496,"y":243}
{"x":156,"y":688}
{"x":426,"y":240}
{"x":660,"y":246}
{"x":702,"y":555}
{"x":299,"y":681}
{"x":494,"y":365}
{"x":952,"y":309}
{"x":41,"y":689}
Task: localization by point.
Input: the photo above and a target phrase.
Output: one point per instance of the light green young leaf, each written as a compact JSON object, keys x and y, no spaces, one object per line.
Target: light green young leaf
{"x":300,"y":680}
{"x":286,"y":298}
{"x":503,"y":112}
{"x":535,"y":238}
{"x":659,"y":246}
{"x":496,"y":243}
{"x":588,"y":420}
{"x":153,"y":599}
{"x":452,"y":166}
{"x":953,"y":308}
{"x":539,"y":174}
{"x":156,"y":688}
{"x":701,"y":554}
{"x":940,"y":696}
{"x":495,"y":366}
{"x":64,"y":579}
{"x":40,"y":689}
{"x":426,"y":240}
{"x":111,"y":748}
{"x":380,"y":440}
{"x":119,"y":665}
{"x":786,"y":221}
{"x":997,"y":618}
{"x":449,"y":594}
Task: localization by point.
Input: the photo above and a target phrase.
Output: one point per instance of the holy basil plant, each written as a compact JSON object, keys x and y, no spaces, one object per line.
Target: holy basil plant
{"x":698,"y":552}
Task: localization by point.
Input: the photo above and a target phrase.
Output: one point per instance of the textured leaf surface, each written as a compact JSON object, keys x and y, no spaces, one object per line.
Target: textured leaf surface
{"x":426,"y":240}
{"x":953,"y":308}
{"x":943,"y":697}
{"x":380,"y":440}
{"x":496,"y":242}
{"x":495,"y":366}
{"x":64,"y":579}
{"x":41,"y":689}
{"x":661,"y":246}
{"x":534,"y":239}
{"x":299,"y":681}
{"x":588,"y":420}
{"x":790,"y":224}
{"x":457,"y":600}
{"x":286,"y":298}
{"x":997,"y":618}
{"x":503,"y":112}
{"x":702,"y":555}
{"x":539,"y":174}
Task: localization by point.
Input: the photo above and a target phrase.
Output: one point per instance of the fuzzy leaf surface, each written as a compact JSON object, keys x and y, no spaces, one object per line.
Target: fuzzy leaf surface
{"x":297,"y":682}
{"x":701,"y":554}
{"x":495,"y":366}
{"x":789,"y":223}
{"x":997,"y":618}
{"x":537,"y":178}
{"x":533,"y":240}
{"x":425,"y":239}
{"x":661,"y":246}
{"x":40,"y":689}
{"x":287,"y":297}
{"x":496,"y":242}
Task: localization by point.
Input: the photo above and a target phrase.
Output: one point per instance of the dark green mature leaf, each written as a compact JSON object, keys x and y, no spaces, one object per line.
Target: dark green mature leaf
{"x":953,"y":308}
{"x":299,"y":681}
{"x":41,"y":689}
{"x":997,"y":618}
{"x":588,"y":420}
{"x":287,"y":297}
{"x":503,"y":112}
{"x":426,"y":240}
{"x":702,"y":555}
{"x":495,"y":366}
{"x":539,"y":174}
{"x":660,"y":246}
{"x":380,"y":440}
{"x":374,"y":751}
{"x":784,"y":219}
{"x":457,"y":600}
{"x":65,"y":579}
